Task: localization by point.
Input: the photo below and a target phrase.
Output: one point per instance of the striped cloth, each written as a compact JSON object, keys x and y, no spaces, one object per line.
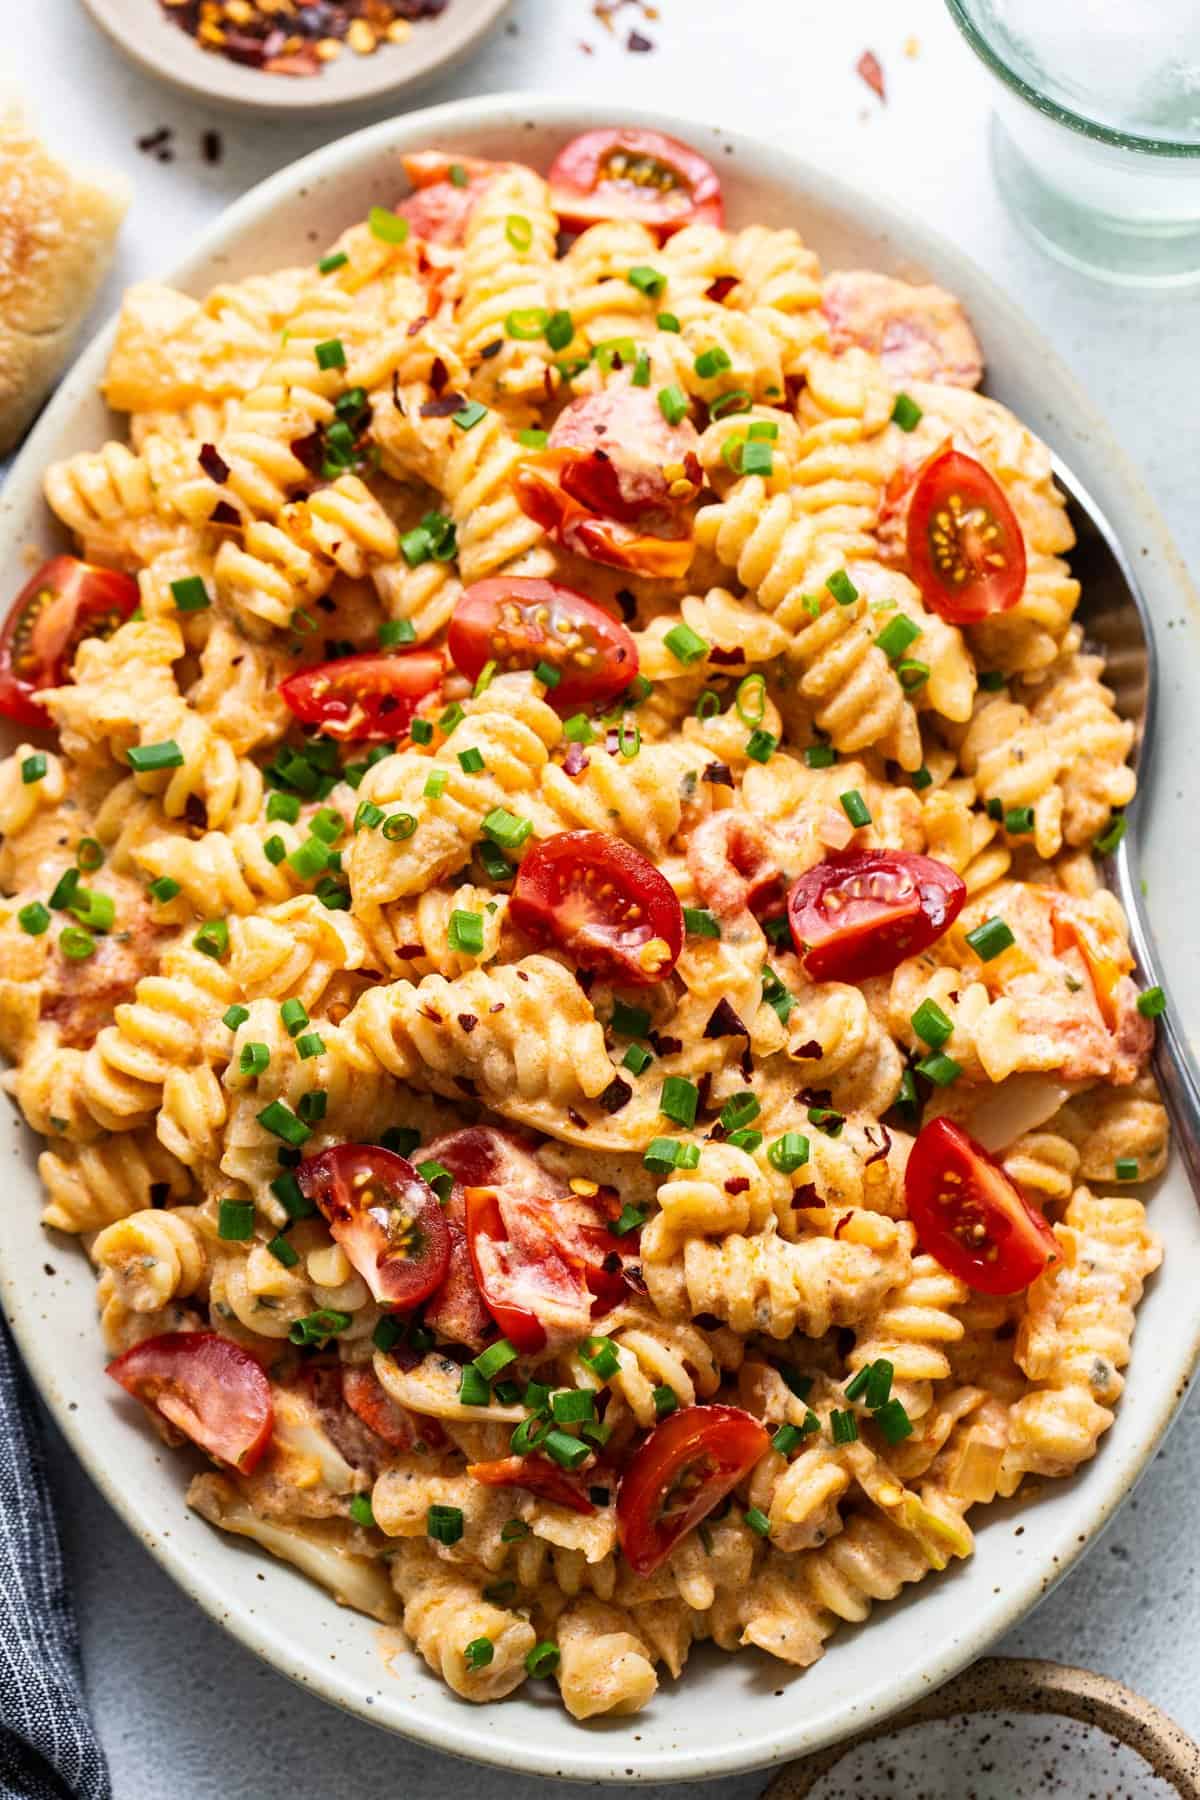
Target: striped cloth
{"x":48,"y":1745}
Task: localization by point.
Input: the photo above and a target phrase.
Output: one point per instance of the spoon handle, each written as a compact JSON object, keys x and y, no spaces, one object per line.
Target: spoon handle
{"x":1173,"y":1070}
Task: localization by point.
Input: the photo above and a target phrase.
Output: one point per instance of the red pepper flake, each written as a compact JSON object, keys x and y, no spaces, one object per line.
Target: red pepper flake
{"x":213,"y":463}
{"x":586,"y":47}
{"x":224,"y":514}
{"x":636,"y":42}
{"x":155,"y":140}
{"x":211,"y":147}
{"x":868,"y":68}
{"x":718,"y":289}
{"x":804,"y":1197}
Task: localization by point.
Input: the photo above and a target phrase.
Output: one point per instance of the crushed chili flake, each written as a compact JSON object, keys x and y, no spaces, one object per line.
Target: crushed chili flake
{"x":211,"y":147}
{"x":637,"y":42}
{"x":155,"y":140}
{"x":213,"y":463}
{"x":869,"y":69}
{"x":296,"y":37}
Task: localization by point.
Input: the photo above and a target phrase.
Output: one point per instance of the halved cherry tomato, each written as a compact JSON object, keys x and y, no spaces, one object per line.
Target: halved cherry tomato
{"x":457,"y":1310}
{"x":965,"y":548}
{"x":638,"y":466}
{"x":370,"y":1401}
{"x":543,"y":1257}
{"x":364,"y":697}
{"x":601,"y":901}
{"x":439,"y":208}
{"x":208,"y":1387}
{"x":385,"y":1217}
{"x":970,"y":1216}
{"x":678,"y":1475}
{"x":536,"y":1476}
{"x":860,"y":912}
{"x":519,"y":623}
{"x":65,"y":602}
{"x":620,"y":172}
{"x":538,"y":486}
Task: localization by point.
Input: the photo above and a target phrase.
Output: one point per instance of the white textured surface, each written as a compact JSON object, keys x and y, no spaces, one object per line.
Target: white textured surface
{"x":181,"y":1708}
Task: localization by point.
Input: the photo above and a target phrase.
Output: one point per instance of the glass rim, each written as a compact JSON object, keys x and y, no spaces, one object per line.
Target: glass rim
{"x":1053,"y":109}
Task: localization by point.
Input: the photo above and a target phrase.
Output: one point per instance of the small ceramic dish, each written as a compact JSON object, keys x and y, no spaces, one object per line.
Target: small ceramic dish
{"x":149,"y":38}
{"x":727,"y":1714}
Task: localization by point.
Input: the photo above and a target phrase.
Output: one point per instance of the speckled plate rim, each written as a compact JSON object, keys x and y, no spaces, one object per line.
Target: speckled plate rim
{"x":141,"y":31}
{"x":727,"y":1715}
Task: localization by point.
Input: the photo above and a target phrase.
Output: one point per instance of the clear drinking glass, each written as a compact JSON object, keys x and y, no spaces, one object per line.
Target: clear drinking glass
{"x":1096,"y":133}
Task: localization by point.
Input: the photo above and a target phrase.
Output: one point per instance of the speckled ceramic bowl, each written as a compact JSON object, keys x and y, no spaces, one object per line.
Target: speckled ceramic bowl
{"x":727,"y":1714}
{"x":161,"y":49}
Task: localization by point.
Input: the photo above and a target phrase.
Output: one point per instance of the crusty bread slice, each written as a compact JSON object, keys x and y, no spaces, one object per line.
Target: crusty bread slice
{"x":58,"y":231}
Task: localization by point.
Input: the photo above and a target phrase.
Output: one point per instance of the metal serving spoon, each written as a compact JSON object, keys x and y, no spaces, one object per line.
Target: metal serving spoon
{"x":1115,"y":617}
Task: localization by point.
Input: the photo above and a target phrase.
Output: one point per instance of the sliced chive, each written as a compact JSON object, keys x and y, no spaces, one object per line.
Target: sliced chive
{"x":279,"y":1119}
{"x":254,"y":1059}
{"x":738,"y":400}
{"x":699,"y":922}
{"x":518,"y":231}
{"x":931,"y":1024}
{"x":673,"y":404}
{"x":712,"y":362}
{"x":283,"y":1252}
{"x":855,"y":808}
{"x":758,"y":1521}
{"x":761,"y":746}
{"x":600,"y":1357}
{"x":757,"y":459}
{"x":641,"y":371}
{"x":1152,"y":1004}
{"x":331,"y":354}
{"x":34,"y":918}
{"x":566,"y":1451}
{"x":912,"y":674}
{"x":389,"y":227}
{"x":630,"y":1021}
{"x":1111,"y":836}
{"x":678,"y":1100}
{"x":740,"y":1109}
{"x":97,"y":911}
{"x":667,"y":321}
{"x":547,"y":674}
{"x":361,"y":1510}
{"x":636,"y":1059}
{"x":473,"y":1389}
{"x":571,"y":1406}
{"x":896,"y":636}
{"x":274,"y":849}
{"x":468,"y":416}
{"x":34,"y":767}
{"x":906,"y":413}
{"x":894,"y":1422}
{"x":212,"y":939}
{"x":235,"y":1220}
{"x":749,"y":1141}
{"x":789,"y":1152}
{"x":527,"y":323}
{"x":939,"y":1068}
{"x":190,"y":594}
{"x":283,"y":806}
{"x":398,"y":827}
{"x":879,"y":1383}
{"x":465,"y":932}
{"x":646,"y":280}
{"x":630,"y":1219}
{"x":471,"y":761}
{"x":842,"y":588}
{"x":666,"y":1401}
{"x":786,"y":1439}
{"x":543,"y":1659}
{"x":506,"y":829}
{"x":291,"y":1196}
{"x":337,"y":259}
{"x":685,"y":645}
{"x":89,"y":855}
{"x":1126,"y":1168}
{"x":990,"y":939}
{"x":146,"y":758}
{"x":560,"y":329}
{"x":843,"y":1427}
{"x":478,"y":1653}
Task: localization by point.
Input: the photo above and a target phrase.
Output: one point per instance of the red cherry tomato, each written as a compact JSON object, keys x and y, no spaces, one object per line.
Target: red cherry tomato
{"x":457,"y":1310}
{"x":536,"y":1476}
{"x":619,"y":172}
{"x":634,"y":456}
{"x":365,"y":697}
{"x":442,"y":203}
{"x":678,"y":1475}
{"x":861,"y":912}
{"x":208,"y":1387}
{"x":603,"y":903}
{"x":543,"y":1257}
{"x":65,"y":602}
{"x":970,"y":1216}
{"x":538,"y":486}
{"x":387,"y":1220}
{"x":965,"y":548}
{"x":519,"y":623}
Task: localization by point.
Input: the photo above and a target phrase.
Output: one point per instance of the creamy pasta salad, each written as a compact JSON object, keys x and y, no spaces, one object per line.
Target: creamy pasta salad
{"x":554,"y":930}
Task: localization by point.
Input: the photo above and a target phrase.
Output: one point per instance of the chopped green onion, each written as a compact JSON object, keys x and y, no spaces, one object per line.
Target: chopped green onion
{"x":820,"y":756}
{"x":403,"y":1139}
{"x":458,"y":176}
{"x":331,"y":354}
{"x":992,"y":680}
{"x":274,"y":849}
{"x":630,"y":1021}
{"x":842,"y":588}
{"x":337,"y":259}
{"x":749,"y":1141}
{"x":800,"y":1385}
{"x":879,"y":1383}
{"x":906,"y":413}
{"x":512,"y":1529}
{"x":667,"y":321}
{"x":571,"y":1406}
{"x":921,"y":778}
{"x":399,"y":826}
{"x":533,"y":439}
{"x":396,"y":631}
{"x":712,"y":362}
{"x":254,"y":1059}
{"x":912,"y":675}
{"x":89,"y":855}
{"x":235,"y":1016}
{"x":600,"y":1357}
{"x":827,"y":1120}
{"x":636,"y":1059}
{"x":931,"y":1024}
{"x":1018,"y":820}
{"x":678,"y":1100}
{"x":662,"y":1154}
{"x":786,"y":1439}
{"x":389,"y":227}
{"x":740,"y":1109}
{"x":1152,"y":1004}
{"x":673,"y":404}
{"x":361,"y":1510}
{"x":751,"y":699}
{"x":444,"y":1524}
{"x":757,"y":459}
{"x":283,"y":806}
{"x":479,"y":1653}
{"x":435,"y":784}
{"x":468,"y":416}
{"x":666,"y":1400}
{"x":894,"y":1422}
{"x":190,"y":594}
{"x":518,"y":231}
{"x":212,"y":939}
{"x":310,"y":1045}
{"x":896,"y":636}
{"x":473,"y":1389}
{"x":279,"y":1119}
{"x":735,"y":400}
{"x":367,"y":816}
{"x":646,"y":280}
{"x":34,"y":767}
{"x":843,"y":1427}
{"x":761,"y":746}
{"x":465,"y":932}
{"x":560,"y":329}
{"x":527,"y":323}
{"x":471,"y":761}
{"x":96,"y":911}
{"x":283,"y":1253}
{"x":543,"y":1659}
{"x":699,"y":922}
{"x":34,"y":918}
{"x":235,"y":1220}
{"x":146,"y":758}
{"x":567,"y":1451}
{"x":939,"y":1068}
{"x":758,"y":1521}
{"x":631,"y":1217}
{"x":438,"y":1177}
{"x":855,"y":808}
{"x":291,"y":1196}
{"x":641,"y":371}
{"x":506,"y":829}
{"x":1111,"y":836}
{"x":1126,"y":1168}
{"x":547,"y":674}
{"x":990,"y":939}
{"x":293,"y":1016}
{"x":789,"y":1152}
{"x":578,"y":730}
{"x":497,"y":1356}
{"x":685,"y":645}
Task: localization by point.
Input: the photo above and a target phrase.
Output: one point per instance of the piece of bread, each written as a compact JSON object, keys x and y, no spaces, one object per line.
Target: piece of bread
{"x":58,"y":231}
